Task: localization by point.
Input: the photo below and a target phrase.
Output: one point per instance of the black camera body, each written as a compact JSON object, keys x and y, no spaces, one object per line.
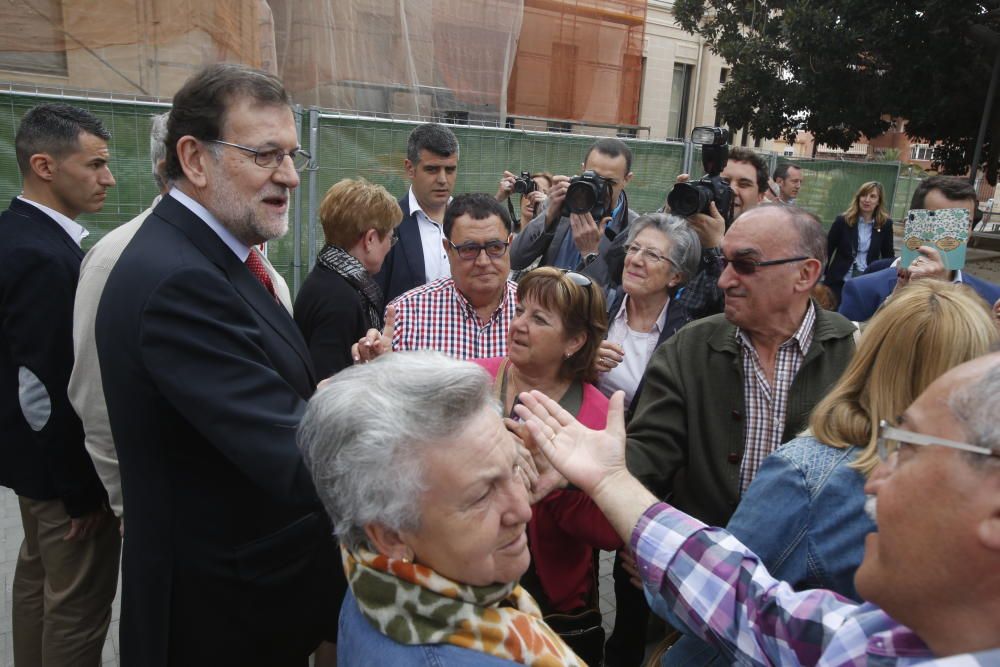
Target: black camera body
{"x":687,"y":199}
{"x":525,"y":184}
{"x":588,"y":193}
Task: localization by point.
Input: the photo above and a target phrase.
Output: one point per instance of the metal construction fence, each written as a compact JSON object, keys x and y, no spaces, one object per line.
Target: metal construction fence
{"x":347,"y":146}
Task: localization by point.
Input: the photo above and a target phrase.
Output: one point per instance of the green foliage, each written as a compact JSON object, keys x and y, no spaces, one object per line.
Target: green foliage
{"x":835,"y":68}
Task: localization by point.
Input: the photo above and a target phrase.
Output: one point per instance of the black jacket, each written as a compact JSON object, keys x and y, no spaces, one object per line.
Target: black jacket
{"x":40,"y":268}
{"x":403,"y":268}
{"x":842,"y":249}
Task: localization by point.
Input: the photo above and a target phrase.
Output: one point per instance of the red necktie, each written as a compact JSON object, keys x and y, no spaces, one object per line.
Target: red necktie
{"x":256,"y":266}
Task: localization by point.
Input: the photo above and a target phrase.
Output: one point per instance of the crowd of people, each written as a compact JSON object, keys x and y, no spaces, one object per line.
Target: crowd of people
{"x":418,"y":461}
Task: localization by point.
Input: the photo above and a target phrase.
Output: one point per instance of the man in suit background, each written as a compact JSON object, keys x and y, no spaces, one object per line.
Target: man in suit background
{"x":419,"y":257}
{"x":229,"y":558}
{"x":863,"y":295}
{"x":67,"y":568}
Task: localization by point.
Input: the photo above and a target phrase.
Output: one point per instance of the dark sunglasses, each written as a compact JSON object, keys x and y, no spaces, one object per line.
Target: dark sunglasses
{"x":467,"y":251}
{"x":747,"y":267}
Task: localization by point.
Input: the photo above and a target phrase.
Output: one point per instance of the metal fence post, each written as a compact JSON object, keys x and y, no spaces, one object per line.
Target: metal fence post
{"x":314,"y":167}
{"x":688,"y":156}
{"x":297,"y":222}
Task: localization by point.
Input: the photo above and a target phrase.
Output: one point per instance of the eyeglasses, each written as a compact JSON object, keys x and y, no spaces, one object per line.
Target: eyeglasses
{"x":470,"y":251}
{"x":747,"y":267}
{"x":647,"y":254}
{"x":581,"y":281}
{"x":890,"y":439}
{"x":272,"y":158}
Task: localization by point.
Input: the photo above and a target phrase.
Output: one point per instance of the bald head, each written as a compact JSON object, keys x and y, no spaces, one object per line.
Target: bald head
{"x":973,"y":391}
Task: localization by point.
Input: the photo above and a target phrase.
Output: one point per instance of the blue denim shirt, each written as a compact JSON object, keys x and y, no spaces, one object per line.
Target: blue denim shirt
{"x":359,"y":643}
{"x":804,"y":516}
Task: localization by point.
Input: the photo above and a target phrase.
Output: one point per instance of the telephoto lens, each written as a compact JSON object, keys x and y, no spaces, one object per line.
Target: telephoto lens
{"x":686,"y":199}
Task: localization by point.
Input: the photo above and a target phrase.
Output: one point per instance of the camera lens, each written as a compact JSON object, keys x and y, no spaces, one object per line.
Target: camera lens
{"x":580,"y":197}
{"x":689,"y":198}
{"x":520,"y":187}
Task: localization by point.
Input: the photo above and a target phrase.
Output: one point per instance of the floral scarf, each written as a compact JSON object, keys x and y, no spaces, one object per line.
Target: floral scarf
{"x":350,"y":269}
{"x":412,"y":604}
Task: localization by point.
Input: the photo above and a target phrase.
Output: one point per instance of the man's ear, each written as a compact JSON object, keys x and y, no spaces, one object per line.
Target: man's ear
{"x":43,"y":166}
{"x":411,"y":169}
{"x":388,"y":542}
{"x":809,"y":274}
{"x":628,"y":177}
{"x":192,"y":154}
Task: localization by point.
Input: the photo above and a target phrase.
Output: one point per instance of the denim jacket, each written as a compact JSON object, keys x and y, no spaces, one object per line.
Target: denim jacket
{"x":803,"y":515}
{"x":359,"y":643}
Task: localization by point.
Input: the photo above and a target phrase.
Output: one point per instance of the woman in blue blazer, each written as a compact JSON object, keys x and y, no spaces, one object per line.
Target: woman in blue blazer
{"x":862,"y":235}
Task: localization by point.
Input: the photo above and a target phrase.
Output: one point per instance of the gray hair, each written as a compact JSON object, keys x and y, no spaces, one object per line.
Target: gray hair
{"x":432,"y":137}
{"x":363,"y":433}
{"x":975,"y":406}
{"x":685,"y":248}
{"x":158,"y":146}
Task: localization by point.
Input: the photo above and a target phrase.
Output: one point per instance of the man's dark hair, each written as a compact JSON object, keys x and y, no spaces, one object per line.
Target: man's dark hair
{"x":612,"y":148}
{"x":781,"y":171}
{"x":432,"y":137}
{"x":952,"y":187}
{"x":744,"y":154}
{"x":200,"y":106}
{"x":54,"y":129}
{"x":476,"y":205}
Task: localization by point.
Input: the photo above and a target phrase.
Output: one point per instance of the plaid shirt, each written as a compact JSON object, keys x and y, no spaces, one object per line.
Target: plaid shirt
{"x":436,"y":316}
{"x":765,"y":405}
{"x":710,"y":585}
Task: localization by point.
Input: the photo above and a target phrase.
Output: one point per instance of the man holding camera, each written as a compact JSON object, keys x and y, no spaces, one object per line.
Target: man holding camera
{"x":581,"y":241}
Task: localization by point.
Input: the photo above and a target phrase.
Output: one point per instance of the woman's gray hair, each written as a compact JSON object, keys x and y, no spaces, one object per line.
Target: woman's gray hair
{"x":363,"y":433}
{"x":685,"y":248}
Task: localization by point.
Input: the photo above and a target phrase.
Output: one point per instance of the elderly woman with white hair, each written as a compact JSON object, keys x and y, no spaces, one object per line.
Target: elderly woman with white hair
{"x":428,"y":497}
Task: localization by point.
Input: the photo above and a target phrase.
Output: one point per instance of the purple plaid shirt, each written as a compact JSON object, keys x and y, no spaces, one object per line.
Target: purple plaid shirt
{"x":715,"y":588}
{"x":436,"y":316}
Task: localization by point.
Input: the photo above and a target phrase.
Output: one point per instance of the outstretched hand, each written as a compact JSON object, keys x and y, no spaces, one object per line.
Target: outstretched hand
{"x":375,"y":343}
{"x":587,"y":458}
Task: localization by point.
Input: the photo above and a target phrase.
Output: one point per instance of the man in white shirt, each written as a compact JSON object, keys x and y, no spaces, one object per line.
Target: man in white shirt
{"x":419,"y":257}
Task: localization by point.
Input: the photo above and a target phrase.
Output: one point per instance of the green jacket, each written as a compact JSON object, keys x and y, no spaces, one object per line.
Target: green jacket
{"x":685,"y":440}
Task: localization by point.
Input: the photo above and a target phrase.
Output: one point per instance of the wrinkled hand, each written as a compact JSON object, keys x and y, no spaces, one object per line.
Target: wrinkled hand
{"x":710,"y":227}
{"x":506,"y":186}
{"x":557,"y":193}
{"x":85,"y":526}
{"x":375,"y":343}
{"x":587,"y":458}
{"x":586,"y":232}
{"x":609,"y":355}
{"x":928,"y":265}
{"x":546,"y":478}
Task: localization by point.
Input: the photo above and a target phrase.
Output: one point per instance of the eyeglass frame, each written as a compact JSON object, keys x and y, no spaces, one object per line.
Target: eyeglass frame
{"x":257,"y":152}
{"x":479,"y":248}
{"x":649,"y":254}
{"x":725,"y":261}
{"x":887,"y":431}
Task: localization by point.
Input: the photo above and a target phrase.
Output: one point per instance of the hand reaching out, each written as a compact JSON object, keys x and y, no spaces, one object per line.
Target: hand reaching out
{"x":375,"y":343}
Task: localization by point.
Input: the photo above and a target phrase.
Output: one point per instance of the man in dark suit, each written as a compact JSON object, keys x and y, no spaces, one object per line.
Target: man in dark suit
{"x":229,"y":558}
{"x":863,"y":295}
{"x":67,"y":568}
{"x":419,"y":257}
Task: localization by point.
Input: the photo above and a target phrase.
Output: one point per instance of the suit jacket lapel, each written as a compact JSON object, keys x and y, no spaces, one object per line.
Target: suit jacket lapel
{"x":46,"y":224}
{"x":413,"y":249}
{"x":208,"y":242}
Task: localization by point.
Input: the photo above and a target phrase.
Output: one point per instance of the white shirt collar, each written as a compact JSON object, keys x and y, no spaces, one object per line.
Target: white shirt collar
{"x":71,"y":227}
{"x":415,"y":206}
{"x":661,"y":320}
{"x":239,"y":249}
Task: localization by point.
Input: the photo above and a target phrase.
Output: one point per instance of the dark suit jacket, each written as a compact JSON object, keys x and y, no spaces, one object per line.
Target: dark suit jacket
{"x":41,"y":266}
{"x":331,"y":315}
{"x":403,"y":268}
{"x":229,"y":558}
{"x":842,"y":249}
{"x":863,"y":295}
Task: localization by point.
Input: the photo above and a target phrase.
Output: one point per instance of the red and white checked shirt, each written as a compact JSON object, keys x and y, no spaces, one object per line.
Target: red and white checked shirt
{"x":766,"y":405}
{"x":436,"y":316}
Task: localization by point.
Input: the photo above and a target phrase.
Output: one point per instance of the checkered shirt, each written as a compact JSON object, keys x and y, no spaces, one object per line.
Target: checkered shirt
{"x":436,"y":316}
{"x":765,"y":405}
{"x":708,"y":584}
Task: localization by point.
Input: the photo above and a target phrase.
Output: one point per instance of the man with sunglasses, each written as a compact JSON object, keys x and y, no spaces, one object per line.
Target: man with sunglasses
{"x":467,"y":315}
{"x":229,"y":557}
{"x":726,"y":390}
{"x":930,"y":576}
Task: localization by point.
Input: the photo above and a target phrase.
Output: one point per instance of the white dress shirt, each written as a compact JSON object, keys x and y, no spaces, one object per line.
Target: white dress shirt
{"x":239,"y":248}
{"x":638,"y":349}
{"x":431,"y":239}
{"x":73,"y":228}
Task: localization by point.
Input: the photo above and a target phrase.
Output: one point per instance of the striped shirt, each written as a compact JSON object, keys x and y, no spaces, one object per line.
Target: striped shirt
{"x":436,"y":316}
{"x":765,"y":405}
{"x":705,"y":582}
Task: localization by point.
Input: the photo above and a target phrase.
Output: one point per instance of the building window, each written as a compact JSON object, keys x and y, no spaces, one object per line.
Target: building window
{"x":680,"y":98}
{"x":723,"y":75}
{"x":42,"y":29}
{"x":921,"y":152}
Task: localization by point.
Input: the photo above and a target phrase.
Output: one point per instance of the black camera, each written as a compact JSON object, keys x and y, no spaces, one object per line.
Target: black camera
{"x":588,"y":193}
{"x":525,"y":184}
{"x":686,"y":199}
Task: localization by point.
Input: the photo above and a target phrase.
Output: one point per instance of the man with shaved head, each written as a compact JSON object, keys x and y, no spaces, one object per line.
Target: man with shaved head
{"x":726,"y":390}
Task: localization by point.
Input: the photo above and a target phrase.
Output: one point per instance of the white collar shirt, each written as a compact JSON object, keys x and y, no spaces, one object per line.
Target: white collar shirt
{"x":239,"y":249}
{"x":432,"y":241}
{"x":75,"y":230}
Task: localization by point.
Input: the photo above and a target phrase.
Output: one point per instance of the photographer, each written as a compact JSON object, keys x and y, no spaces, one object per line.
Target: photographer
{"x":533,"y":188}
{"x":577,"y":241}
